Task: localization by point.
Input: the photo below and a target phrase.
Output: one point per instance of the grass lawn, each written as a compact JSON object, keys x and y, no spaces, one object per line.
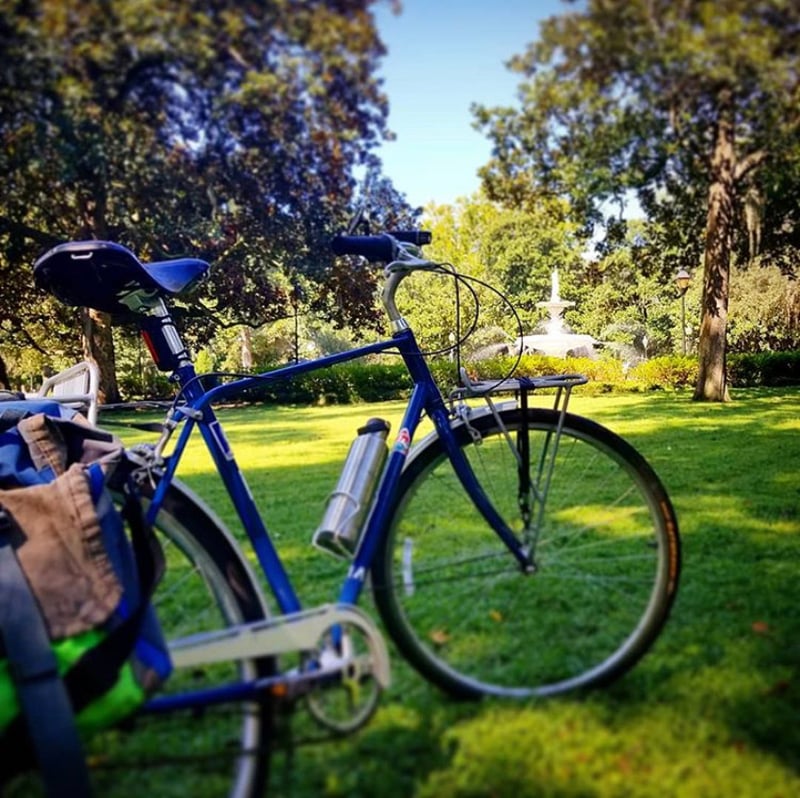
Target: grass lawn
{"x":713,"y":710}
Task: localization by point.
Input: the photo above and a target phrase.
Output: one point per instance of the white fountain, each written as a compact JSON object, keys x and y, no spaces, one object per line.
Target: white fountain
{"x":556,"y":341}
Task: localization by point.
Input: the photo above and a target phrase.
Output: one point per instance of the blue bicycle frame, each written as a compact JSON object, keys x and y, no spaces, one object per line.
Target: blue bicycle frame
{"x":197,"y":410}
{"x":425,"y":397}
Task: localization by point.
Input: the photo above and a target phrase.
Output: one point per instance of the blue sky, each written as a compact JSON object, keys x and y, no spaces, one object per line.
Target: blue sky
{"x":443,"y":55}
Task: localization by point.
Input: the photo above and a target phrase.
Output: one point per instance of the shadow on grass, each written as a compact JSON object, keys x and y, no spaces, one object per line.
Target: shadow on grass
{"x":712,"y":710}
{"x":388,"y":760}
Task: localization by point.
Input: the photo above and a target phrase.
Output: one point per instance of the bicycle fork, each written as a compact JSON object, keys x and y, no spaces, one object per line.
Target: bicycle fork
{"x":534,"y":473}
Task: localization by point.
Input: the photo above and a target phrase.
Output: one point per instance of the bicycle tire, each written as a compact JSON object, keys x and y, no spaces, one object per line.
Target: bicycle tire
{"x":458,"y":605}
{"x":220,"y":750}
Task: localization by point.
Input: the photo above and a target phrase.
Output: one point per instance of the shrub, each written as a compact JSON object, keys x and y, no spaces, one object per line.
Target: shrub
{"x":667,"y":373}
{"x":379,"y":381}
{"x":330,"y":386}
{"x":771,"y":369}
{"x":343,"y":384}
{"x":154,"y":385}
{"x":371,"y":382}
{"x":603,"y":373}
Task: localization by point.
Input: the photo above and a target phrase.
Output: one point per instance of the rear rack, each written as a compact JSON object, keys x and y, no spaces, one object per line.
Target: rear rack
{"x":519,"y":386}
{"x":480,"y":388}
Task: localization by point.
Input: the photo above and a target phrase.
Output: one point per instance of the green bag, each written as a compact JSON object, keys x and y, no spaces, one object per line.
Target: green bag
{"x":80,"y":647}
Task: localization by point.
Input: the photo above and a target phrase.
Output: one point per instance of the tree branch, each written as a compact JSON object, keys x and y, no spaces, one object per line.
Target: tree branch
{"x":24,"y":231}
{"x":749,"y":163}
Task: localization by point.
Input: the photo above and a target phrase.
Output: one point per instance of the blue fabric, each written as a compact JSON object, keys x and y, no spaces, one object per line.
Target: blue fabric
{"x":16,"y":466}
{"x":32,"y":406}
{"x":133,"y":632}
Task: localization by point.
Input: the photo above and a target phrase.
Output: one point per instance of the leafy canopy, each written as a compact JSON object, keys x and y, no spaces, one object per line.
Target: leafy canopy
{"x":225,"y":130}
{"x":624,"y":95}
{"x":693,"y":105}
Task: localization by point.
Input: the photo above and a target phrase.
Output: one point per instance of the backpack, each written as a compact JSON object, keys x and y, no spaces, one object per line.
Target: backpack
{"x":80,"y":646}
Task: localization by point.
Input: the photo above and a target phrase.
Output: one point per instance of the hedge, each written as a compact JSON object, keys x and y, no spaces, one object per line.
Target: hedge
{"x":374,"y":382}
{"x":673,"y":372}
{"x":344,"y":384}
{"x":361,"y":382}
{"x":771,"y":369}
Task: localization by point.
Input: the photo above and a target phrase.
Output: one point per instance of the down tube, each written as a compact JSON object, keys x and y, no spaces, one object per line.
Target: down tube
{"x":384,"y":500}
{"x":241,"y":497}
{"x":243,"y":501}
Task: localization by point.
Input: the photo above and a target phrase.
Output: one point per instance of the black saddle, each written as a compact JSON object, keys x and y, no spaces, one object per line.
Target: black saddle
{"x":109,"y":277}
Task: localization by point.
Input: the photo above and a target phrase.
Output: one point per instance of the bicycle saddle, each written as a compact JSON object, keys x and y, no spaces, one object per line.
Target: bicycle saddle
{"x":109,"y":277}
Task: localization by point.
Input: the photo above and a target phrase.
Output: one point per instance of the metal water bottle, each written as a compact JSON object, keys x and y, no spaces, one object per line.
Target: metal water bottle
{"x":349,"y":503}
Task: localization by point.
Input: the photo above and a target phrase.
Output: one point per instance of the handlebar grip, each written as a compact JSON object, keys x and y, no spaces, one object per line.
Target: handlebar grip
{"x":373,"y":248}
{"x":417,"y":237}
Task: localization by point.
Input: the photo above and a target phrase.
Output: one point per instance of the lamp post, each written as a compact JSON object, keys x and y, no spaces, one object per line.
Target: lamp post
{"x":682,"y":280}
{"x":295,"y":297}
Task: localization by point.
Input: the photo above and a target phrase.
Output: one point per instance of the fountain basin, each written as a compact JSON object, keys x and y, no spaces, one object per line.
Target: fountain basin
{"x":556,"y":344}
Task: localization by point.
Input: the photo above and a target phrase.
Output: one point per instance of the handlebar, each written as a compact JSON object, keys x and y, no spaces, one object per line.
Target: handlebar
{"x":373,"y":248}
{"x":417,"y":237}
{"x":381,"y":247}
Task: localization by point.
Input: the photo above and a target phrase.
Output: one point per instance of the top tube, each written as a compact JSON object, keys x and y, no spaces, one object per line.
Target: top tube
{"x":207,"y":397}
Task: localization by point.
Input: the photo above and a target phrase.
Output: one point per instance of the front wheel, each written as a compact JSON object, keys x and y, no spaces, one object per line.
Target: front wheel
{"x":602,"y":533}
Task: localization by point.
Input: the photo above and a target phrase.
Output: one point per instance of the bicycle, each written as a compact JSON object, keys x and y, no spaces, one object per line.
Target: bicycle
{"x":514,"y":551}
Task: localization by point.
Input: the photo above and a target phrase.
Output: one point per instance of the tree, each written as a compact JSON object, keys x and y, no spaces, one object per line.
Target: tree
{"x":514,"y":251}
{"x":429,"y":300}
{"x":688,"y":103}
{"x":767,"y":315}
{"x":223,"y":130}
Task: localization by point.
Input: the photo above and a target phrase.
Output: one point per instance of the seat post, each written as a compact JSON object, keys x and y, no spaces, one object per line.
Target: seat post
{"x":163,"y":340}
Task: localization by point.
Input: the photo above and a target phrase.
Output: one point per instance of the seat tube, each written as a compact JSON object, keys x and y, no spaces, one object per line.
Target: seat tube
{"x":523,"y":463}
{"x":163,"y":340}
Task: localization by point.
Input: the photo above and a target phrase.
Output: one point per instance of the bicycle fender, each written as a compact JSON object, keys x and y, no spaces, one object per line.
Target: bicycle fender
{"x":456,"y":423}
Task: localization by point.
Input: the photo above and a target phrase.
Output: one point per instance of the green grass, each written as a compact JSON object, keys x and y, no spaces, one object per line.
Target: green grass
{"x":712,"y":710}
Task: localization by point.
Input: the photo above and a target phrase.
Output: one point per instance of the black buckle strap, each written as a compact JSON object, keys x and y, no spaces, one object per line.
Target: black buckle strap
{"x":42,"y":695}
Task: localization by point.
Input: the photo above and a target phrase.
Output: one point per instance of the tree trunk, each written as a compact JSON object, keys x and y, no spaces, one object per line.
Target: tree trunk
{"x":712,"y":382}
{"x":246,"y":340}
{"x":96,"y":338}
{"x":98,"y":346}
{"x":4,"y":381}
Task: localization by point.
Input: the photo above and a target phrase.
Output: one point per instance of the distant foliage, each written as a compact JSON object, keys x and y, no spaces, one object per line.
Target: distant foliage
{"x":769,"y":369}
{"x":227,"y":131}
{"x":764,"y":311}
{"x":668,"y":372}
{"x":345,"y":384}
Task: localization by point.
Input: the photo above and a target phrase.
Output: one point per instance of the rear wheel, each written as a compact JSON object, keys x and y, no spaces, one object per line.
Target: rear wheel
{"x":603,"y":536}
{"x":219,"y":750}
